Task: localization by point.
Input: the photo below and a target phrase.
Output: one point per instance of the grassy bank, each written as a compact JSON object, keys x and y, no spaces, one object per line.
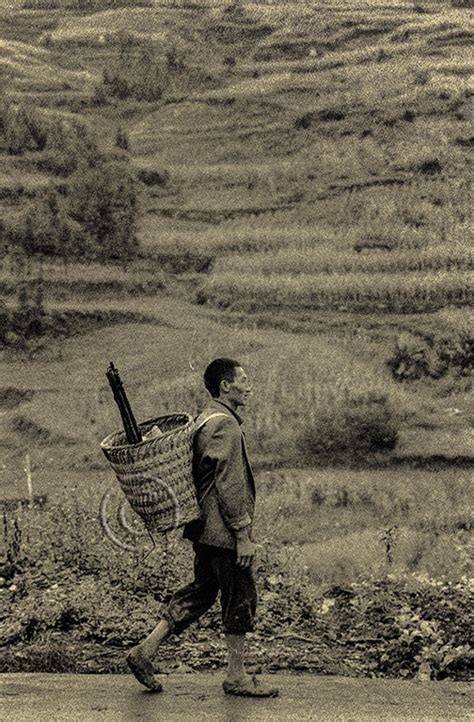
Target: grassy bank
{"x":329,"y":600}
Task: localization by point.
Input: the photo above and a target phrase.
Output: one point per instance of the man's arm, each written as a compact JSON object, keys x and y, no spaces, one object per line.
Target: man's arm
{"x":222,"y":445}
{"x":245,"y":547}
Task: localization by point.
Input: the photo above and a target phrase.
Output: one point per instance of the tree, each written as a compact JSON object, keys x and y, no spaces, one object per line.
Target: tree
{"x":104,"y":201}
{"x":175,"y":60}
{"x":22,"y":129}
{"x":45,"y":229}
{"x":121,"y":139}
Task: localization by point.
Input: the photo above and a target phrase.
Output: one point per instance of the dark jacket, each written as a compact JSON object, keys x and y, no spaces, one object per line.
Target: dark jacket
{"x":220,"y":459}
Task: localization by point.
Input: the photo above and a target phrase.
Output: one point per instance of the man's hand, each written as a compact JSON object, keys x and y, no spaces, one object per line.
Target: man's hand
{"x":245,"y":549}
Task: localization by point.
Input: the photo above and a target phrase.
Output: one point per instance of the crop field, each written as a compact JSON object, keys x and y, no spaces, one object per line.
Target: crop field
{"x":301,"y":182}
{"x":323,"y":259}
{"x":395,"y":293}
{"x":323,"y":175}
{"x":31,"y":67}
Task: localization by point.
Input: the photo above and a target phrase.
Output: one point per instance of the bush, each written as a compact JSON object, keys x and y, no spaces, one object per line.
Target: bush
{"x":83,"y":5}
{"x":137,"y":73}
{"x":43,"y":228}
{"x":364,"y":426}
{"x":103,"y":200}
{"x":93,"y":216}
{"x":67,"y":586}
{"x":22,"y":129}
{"x":60,"y":143}
{"x":416,"y":357}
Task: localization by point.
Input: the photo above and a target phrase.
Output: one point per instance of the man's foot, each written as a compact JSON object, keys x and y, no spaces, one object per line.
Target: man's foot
{"x":249,"y":687}
{"x":143,"y":670}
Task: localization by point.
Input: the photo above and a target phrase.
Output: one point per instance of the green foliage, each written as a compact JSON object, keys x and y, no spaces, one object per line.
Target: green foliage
{"x":83,"y":5}
{"x":139,"y":72}
{"x":44,"y":229}
{"x":61,"y":143}
{"x":121,"y":139}
{"x":363,"y":426}
{"x":104,"y":201}
{"x":432,"y":356}
{"x":69,"y":588}
{"x":22,"y":129}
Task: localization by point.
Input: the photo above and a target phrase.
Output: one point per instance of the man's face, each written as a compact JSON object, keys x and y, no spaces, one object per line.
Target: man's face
{"x":237,"y":392}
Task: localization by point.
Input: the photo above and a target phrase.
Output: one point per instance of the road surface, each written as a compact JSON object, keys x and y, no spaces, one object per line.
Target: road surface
{"x":198,"y":697}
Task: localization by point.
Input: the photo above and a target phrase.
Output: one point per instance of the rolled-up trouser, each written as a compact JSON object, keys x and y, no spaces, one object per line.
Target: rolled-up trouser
{"x":215,"y":570}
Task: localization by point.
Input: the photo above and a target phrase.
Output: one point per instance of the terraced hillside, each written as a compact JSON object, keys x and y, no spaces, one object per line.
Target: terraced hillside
{"x":304,"y":166}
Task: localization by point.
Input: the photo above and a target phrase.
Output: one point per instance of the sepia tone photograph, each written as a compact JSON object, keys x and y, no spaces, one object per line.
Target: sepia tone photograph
{"x":236,"y":360}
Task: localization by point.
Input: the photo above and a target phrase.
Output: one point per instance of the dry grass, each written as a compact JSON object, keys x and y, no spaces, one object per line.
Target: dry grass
{"x":288,"y":188}
{"x":416,"y":292}
{"x":25,"y":62}
{"x":316,"y":259}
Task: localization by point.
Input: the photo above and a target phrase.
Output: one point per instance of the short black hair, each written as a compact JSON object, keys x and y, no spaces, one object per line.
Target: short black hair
{"x":219,"y":369}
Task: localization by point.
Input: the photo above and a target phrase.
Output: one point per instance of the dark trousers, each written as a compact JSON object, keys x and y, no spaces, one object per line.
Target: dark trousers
{"x":215,"y":570}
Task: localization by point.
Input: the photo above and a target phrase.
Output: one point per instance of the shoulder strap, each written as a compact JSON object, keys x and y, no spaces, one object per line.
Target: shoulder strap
{"x":202,"y":423}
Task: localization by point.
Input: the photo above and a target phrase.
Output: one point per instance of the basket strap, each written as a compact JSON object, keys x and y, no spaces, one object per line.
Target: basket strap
{"x":208,"y":418}
{"x":198,"y":428}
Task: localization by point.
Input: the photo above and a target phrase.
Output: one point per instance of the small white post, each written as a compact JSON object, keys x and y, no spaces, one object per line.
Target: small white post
{"x":29,"y":481}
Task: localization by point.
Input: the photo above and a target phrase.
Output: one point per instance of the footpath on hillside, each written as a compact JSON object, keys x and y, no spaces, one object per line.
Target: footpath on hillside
{"x":196,"y":697}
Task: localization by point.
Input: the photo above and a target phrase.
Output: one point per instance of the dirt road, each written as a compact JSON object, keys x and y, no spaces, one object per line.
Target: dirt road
{"x":196,"y":697}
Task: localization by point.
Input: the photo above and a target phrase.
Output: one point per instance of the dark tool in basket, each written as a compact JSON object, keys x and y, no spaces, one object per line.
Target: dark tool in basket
{"x":131,"y":428}
{"x":153,"y":463}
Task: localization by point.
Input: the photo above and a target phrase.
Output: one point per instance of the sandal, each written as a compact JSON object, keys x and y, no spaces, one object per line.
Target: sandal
{"x":249,"y":687}
{"x":143,"y":670}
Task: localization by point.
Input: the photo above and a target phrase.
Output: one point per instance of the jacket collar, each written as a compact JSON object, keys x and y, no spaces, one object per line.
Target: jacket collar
{"x":221,"y":404}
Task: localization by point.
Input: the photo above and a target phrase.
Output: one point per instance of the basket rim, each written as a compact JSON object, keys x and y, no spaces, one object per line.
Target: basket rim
{"x":107,"y":446}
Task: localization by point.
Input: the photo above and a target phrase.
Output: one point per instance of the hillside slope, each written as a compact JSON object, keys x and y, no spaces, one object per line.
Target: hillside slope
{"x":307,"y":167}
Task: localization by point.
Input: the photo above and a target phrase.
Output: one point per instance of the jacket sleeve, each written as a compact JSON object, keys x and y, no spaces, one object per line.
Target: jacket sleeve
{"x":223,"y":449}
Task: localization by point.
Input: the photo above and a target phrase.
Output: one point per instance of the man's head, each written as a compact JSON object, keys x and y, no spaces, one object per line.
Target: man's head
{"x":226,"y":380}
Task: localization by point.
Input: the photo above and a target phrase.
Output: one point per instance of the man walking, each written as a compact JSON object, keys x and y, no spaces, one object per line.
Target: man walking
{"x":222,"y":541}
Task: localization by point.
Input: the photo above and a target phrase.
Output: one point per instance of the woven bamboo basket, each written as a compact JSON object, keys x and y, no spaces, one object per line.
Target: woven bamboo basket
{"x":156,"y":475}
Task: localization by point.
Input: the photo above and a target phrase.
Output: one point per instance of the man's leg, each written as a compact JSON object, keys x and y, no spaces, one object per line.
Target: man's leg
{"x":235,"y":657}
{"x":149,"y":645}
{"x":238,"y":601}
{"x":186,"y":606}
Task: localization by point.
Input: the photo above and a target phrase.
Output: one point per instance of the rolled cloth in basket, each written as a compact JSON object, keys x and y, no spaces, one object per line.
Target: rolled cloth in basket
{"x":156,"y":474}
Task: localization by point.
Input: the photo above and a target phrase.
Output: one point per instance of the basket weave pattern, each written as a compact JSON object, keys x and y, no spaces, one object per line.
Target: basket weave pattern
{"x":156,"y":475}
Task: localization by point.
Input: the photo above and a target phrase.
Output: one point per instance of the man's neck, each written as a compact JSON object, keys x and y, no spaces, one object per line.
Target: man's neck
{"x":229,"y":405}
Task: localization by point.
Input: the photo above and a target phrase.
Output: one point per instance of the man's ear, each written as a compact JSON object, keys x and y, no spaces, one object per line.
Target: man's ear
{"x":224,"y":386}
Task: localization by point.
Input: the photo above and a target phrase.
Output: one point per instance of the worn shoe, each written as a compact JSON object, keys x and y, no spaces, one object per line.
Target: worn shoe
{"x":143,"y":670}
{"x":249,"y":687}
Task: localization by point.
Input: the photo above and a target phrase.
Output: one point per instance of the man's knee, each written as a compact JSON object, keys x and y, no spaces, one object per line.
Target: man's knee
{"x":186,"y":608}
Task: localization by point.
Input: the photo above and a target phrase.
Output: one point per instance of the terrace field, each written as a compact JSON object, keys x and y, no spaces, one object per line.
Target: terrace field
{"x":305,"y":205}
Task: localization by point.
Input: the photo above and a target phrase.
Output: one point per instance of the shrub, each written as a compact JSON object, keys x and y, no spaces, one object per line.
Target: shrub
{"x":432,"y":357}
{"x":99,"y":96}
{"x":121,"y":139}
{"x":22,"y":128}
{"x":69,"y":586}
{"x":60,"y":143}
{"x":94,"y":215}
{"x":67,"y":145}
{"x":83,"y":5}
{"x":364,"y":426}
{"x":137,"y":73}
{"x":43,"y":228}
{"x":104,"y":201}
